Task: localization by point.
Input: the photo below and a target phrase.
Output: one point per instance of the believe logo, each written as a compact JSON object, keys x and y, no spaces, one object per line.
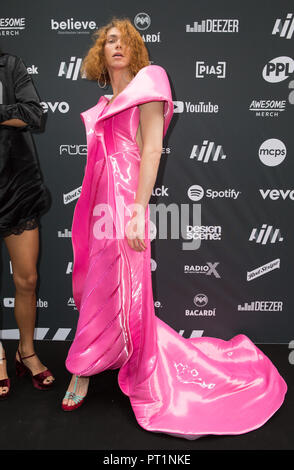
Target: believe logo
{"x":69,"y":26}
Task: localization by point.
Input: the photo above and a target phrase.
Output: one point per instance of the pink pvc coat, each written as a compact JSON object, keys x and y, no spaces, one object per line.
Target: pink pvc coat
{"x":182,"y":387}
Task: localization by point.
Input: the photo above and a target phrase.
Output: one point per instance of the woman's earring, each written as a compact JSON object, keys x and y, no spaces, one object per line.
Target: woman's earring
{"x":105,"y":82}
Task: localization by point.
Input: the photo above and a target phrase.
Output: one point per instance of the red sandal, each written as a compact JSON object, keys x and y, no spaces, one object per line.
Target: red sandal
{"x":37,"y":379}
{"x":4,"y":383}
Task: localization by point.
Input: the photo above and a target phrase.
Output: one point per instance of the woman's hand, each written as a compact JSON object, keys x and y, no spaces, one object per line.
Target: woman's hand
{"x":135,"y":231}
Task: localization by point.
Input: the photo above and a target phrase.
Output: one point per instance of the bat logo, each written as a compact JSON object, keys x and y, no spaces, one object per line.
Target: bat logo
{"x":142,"y":21}
{"x":200,"y":300}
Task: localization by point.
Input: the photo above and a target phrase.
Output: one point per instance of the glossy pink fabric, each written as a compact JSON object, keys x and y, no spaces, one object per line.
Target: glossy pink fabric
{"x":182,"y":387}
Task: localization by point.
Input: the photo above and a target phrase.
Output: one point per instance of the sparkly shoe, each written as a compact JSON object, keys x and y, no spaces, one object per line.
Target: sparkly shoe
{"x":4,"y":383}
{"x":78,"y":399}
{"x":37,"y":379}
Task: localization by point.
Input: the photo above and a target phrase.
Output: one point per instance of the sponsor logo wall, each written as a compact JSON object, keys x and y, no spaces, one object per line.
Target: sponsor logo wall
{"x":227,"y":161}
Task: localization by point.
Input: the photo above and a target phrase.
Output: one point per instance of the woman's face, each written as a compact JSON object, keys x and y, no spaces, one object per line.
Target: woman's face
{"x":117,"y":54}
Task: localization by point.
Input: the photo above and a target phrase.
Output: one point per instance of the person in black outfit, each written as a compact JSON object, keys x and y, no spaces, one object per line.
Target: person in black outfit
{"x":23,"y":199}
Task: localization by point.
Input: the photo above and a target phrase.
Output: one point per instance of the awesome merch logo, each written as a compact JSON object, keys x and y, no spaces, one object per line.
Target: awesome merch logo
{"x":267,"y":108}
{"x":12,"y":26}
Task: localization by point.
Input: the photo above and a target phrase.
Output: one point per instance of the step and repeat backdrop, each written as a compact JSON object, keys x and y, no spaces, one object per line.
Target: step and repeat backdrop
{"x":227,"y":163}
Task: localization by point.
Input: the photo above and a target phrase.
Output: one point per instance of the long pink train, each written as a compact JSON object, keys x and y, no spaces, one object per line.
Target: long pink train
{"x":181,"y":387}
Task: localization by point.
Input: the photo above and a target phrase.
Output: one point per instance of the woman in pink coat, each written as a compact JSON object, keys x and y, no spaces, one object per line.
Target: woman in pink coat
{"x":182,"y":387}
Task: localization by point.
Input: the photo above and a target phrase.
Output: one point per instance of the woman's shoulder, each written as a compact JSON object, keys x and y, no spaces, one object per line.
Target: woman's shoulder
{"x":153,"y":69}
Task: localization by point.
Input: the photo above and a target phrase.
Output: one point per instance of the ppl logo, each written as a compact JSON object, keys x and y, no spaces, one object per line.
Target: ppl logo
{"x":278,"y":69}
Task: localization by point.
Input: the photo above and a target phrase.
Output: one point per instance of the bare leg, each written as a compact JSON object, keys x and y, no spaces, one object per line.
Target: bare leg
{"x":23,"y":251}
{"x":3,"y":371}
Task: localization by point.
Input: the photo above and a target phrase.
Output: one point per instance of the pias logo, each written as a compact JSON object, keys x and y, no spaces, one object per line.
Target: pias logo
{"x":207,"y":70}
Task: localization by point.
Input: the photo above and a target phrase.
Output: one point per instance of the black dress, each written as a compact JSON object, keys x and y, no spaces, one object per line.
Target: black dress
{"x":23,"y":194}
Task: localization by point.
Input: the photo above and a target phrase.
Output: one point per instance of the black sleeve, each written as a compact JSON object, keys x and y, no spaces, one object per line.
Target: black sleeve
{"x":27,"y":106}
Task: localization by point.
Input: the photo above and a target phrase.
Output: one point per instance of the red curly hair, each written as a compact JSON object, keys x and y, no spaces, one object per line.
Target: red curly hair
{"x":94,"y":65}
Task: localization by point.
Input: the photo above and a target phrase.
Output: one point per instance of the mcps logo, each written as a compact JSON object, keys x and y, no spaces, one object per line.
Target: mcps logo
{"x":272,"y":152}
{"x":278,"y":69}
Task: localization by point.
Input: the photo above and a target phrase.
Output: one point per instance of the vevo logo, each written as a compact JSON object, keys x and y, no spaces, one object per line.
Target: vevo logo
{"x":275,"y":194}
{"x":70,"y":71}
{"x":62,"y":107}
